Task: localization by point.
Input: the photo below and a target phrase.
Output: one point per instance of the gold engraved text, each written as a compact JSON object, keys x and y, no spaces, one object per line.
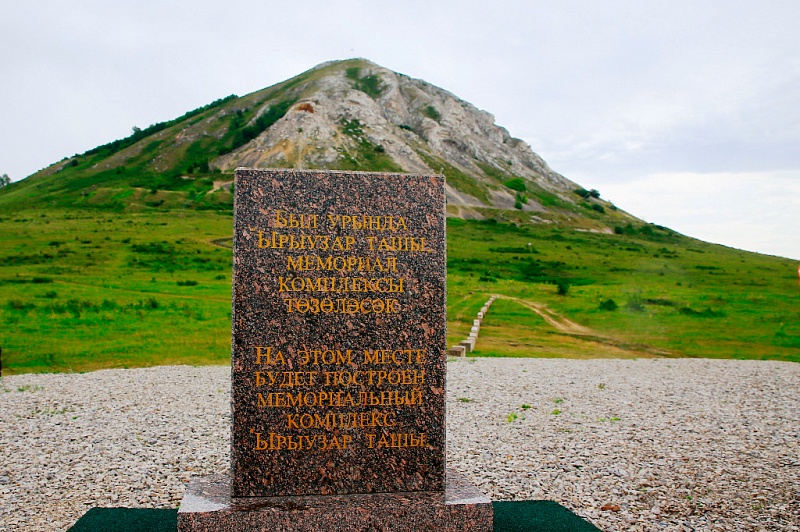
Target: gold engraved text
{"x":395,"y":356}
{"x":340,"y":284}
{"x":342,"y":306}
{"x":292,"y":220}
{"x":342,"y":420}
{"x":367,"y":222}
{"x":265,"y":355}
{"x":339,"y":399}
{"x":315,"y":442}
{"x":337,"y":263}
{"x":395,"y":441}
{"x":398,"y":243}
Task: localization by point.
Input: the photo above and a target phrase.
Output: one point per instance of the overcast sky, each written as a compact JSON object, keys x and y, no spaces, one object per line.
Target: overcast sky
{"x":684,"y":113}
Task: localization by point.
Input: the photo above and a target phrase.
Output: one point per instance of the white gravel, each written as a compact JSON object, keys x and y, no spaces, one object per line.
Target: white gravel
{"x":661,"y":444}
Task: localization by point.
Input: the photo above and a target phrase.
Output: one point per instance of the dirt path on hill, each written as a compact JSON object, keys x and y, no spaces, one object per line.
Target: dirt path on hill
{"x":570,"y":328}
{"x":556,"y":320}
{"x":220,"y":185}
{"x":226,"y":242}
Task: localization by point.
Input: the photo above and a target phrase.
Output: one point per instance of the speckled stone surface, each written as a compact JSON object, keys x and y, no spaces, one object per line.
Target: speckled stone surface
{"x":338,"y":363}
{"x":207,"y":506}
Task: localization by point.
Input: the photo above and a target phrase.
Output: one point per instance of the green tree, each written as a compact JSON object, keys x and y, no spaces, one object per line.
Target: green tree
{"x":562,"y":287}
{"x":4,"y":180}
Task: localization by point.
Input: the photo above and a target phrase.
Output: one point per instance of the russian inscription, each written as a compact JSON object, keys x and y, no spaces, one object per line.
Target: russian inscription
{"x":338,"y":333}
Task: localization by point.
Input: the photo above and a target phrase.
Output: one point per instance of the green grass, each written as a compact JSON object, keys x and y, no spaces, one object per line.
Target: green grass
{"x":89,"y":289}
{"x":502,"y":177}
{"x":676,"y":296}
{"x":455,"y":177}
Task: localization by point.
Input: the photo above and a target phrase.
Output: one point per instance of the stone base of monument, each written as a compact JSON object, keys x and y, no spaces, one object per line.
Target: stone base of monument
{"x":208,"y":506}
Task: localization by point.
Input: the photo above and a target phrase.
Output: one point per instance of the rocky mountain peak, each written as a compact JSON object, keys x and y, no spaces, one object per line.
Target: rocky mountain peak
{"x":340,"y":115}
{"x":351,"y":107}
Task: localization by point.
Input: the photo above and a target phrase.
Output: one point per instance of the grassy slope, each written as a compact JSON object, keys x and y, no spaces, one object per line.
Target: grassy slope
{"x":89,"y":290}
{"x":171,"y":164}
{"x":675,"y":295}
{"x":82,"y":290}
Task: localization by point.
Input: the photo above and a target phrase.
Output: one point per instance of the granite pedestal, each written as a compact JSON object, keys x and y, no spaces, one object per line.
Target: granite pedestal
{"x":208,"y":506}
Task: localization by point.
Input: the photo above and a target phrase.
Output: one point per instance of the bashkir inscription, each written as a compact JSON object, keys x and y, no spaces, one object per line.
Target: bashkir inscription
{"x":338,"y":333}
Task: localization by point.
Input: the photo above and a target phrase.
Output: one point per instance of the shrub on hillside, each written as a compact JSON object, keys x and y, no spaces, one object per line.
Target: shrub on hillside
{"x":635,"y":304}
{"x":609,"y":305}
{"x":517,"y":184}
{"x":432,"y":113}
{"x":586,"y":194}
{"x":708,"y":312}
{"x":487,"y":277}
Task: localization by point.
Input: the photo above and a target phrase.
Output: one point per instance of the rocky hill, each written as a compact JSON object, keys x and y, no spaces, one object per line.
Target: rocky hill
{"x":345,"y":115}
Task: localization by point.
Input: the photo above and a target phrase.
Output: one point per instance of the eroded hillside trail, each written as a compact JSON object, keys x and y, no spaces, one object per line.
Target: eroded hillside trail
{"x":571,"y":328}
{"x":556,"y":320}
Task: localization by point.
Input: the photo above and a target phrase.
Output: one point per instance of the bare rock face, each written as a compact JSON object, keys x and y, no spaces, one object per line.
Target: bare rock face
{"x":358,"y":113}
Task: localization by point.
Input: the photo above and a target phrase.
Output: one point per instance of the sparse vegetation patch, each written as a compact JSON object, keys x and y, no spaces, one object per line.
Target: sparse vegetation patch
{"x":517,"y":184}
{"x":432,"y":113}
{"x":370,"y":84}
{"x":367,"y":156}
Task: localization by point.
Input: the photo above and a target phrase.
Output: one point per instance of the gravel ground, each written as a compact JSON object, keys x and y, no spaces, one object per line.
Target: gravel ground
{"x":627,"y":444}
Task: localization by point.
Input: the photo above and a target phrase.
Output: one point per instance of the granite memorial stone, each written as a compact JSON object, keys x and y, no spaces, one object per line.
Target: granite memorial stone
{"x":338,"y":358}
